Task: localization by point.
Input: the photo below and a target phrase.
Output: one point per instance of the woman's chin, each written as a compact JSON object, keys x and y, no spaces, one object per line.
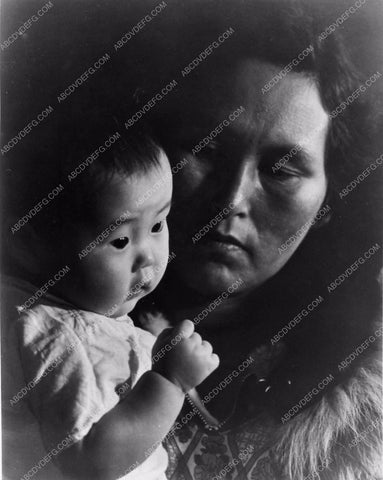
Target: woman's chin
{"x":212,"y":279}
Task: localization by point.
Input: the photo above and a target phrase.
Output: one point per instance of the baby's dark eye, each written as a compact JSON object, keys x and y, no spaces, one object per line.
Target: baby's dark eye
{"x":158,"y":227}
{"x":120,"y":243}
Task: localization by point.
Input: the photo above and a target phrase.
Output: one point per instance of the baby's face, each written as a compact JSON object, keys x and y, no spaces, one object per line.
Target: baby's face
{"x":131,"y":260}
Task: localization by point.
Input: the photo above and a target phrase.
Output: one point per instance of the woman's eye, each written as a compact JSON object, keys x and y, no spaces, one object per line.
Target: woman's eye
{"x":120,"y":243}
{"x":282,"y":173}
{"x":158,"y":227}
{"x":278,"y":173}
{"x":209,"y":151}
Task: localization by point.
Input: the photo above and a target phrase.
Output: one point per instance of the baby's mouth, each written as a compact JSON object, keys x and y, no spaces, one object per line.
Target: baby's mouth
{"x":138,"y":289}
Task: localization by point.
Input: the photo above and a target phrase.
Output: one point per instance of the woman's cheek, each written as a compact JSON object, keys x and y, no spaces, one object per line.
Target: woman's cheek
{"x":311,"y":196}
{"x":188,"y":195}
{"x":280,"y":212}
{"x":305,"y":204}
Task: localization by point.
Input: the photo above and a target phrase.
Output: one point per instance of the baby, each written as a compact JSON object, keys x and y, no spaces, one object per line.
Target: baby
{"x":98,"y":402}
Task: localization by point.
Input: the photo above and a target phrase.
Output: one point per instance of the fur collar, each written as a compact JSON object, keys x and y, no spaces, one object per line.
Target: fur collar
{"x":338,"y":438}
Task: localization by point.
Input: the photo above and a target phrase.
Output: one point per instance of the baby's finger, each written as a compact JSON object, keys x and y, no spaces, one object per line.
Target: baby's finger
{"x":184,"y":328}
{"x":214,"y":361}
{"x":208,"y":349}
{"x":196,"y":337}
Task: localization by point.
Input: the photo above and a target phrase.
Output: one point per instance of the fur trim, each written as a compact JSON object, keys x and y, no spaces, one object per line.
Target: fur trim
{"x":339,"y":438}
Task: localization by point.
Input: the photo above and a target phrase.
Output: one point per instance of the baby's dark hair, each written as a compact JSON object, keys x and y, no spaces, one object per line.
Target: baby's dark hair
{"x":98,"y":151}
{"x":77,"y":157}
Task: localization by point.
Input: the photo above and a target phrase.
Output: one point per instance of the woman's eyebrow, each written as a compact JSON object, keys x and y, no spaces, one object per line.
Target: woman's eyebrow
{"x":295,"y":152}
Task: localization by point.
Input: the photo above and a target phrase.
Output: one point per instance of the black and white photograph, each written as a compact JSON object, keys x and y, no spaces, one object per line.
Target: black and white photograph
{"x":191,"y":239}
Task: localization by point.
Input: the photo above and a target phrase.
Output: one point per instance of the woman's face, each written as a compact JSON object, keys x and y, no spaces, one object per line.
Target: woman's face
{"x":233,"y":189}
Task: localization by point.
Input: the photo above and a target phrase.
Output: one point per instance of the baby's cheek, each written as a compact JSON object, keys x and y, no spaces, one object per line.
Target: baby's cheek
{"x":105,"y":274}
{"x":162,"y":258}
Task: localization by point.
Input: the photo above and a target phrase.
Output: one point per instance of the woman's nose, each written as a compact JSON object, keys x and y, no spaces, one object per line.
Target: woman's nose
{"x":144,"y":257}
{"x":237,"y":187}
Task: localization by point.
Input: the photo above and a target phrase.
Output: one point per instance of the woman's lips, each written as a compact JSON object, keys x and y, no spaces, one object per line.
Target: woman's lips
{"x":223,"y":242}
{"x":223,"y":246}
{"x":219,"y":246}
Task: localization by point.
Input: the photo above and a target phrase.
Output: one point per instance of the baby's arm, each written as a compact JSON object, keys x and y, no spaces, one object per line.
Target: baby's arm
{"x":125,"y":435}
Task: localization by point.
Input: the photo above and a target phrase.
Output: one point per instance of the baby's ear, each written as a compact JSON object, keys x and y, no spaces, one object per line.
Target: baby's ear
{"x":25,"y":250}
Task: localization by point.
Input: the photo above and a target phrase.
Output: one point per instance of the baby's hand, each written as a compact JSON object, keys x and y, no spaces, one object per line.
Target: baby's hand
{"x":181,"y":356}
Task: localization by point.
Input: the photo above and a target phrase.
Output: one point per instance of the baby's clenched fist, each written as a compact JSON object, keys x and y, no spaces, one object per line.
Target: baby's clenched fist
{"x":186,"y":359}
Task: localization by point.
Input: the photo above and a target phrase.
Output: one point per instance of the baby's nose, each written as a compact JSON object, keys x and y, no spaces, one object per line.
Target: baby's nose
{"x":143,"y":259}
